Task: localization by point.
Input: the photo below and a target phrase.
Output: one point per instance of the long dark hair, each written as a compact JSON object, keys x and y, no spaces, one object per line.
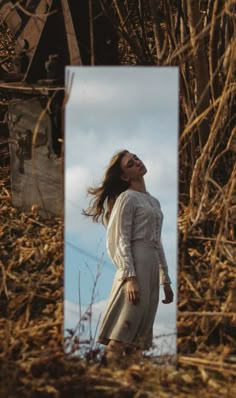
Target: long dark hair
{"x":105,"y":195}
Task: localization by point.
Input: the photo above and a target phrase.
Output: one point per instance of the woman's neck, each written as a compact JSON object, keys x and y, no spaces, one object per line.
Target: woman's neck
{"x":138,"y":186}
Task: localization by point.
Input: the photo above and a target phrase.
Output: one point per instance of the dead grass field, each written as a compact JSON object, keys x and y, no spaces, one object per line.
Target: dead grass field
{"x":32,"y":359}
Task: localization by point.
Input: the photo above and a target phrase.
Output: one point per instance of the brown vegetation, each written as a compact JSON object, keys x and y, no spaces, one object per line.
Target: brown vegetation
{"x":198,"y":36}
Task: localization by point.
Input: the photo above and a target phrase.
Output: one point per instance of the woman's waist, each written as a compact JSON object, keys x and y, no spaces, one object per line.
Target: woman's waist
{"x":145,"y":243}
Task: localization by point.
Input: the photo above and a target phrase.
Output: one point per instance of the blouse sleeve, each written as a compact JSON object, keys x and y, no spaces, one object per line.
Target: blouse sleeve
{"x":119,"y":233}
{"x":164,"y":277}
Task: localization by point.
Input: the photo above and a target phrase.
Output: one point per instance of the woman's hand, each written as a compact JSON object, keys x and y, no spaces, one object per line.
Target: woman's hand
{"x":169,"y":295}
{"x":133,"y":290}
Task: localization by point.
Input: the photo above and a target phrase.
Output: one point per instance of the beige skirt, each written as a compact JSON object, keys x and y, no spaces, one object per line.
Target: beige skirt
{"x":124,"y":321}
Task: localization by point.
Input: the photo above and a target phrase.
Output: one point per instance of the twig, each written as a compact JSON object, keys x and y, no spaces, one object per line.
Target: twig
{"x":31,"y":87}
{"x":213,"y":365}
{"x":212,"y":239}
{"x":192,"y":287}
{"x":33,"y":15}
{"x":206,"y":313}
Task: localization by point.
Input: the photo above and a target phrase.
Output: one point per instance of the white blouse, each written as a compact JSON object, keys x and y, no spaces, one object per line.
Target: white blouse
{"x":135,"y":216}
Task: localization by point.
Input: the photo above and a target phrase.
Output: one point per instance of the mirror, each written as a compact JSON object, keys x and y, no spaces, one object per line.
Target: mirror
{"x":110,"y":109}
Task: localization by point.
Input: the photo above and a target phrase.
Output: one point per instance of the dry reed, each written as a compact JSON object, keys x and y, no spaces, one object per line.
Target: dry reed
{"x":31,"y":289}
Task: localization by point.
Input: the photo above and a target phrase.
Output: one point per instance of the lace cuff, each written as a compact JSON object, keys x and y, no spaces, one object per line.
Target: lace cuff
{"x":125,"y":273}
{"x":164,"y":278}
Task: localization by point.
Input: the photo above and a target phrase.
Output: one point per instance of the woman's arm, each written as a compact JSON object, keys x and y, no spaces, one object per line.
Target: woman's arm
{"x":119,"y":233}
{"x":169,"y":295}
{"x":164,"y":276}
{"x":133,"y":290}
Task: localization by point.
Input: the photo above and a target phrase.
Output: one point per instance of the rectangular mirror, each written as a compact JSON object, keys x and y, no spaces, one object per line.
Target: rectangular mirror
{"x":110,"y":109}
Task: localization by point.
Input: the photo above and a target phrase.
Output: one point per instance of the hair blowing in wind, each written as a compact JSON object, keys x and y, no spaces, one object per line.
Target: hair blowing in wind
{"x":104,"y":196}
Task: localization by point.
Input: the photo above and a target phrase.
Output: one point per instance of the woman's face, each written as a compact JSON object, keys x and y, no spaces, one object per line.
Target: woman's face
{"x":132,"y":167}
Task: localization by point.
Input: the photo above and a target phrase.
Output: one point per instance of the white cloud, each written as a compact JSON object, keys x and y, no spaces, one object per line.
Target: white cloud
{"x":86,"y":93}
{"x":76,"y":177}
{"x":125,"y":102}
{"x":72,"y":312}
{"x":139,"y":83}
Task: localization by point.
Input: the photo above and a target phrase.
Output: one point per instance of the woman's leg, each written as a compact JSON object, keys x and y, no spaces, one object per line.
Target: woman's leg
{"x":115,"y":345}
{"x":117,"y":349}
{"x":114,"y":349}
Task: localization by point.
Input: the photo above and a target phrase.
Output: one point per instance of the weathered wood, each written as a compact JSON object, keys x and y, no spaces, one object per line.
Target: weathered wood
{"x":74,"y":53}
{"x":35,"y":169}
{"x":34,"y":28}
{"x":10,"y":16}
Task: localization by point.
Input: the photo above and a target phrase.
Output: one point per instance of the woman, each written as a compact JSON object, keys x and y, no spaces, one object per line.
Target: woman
{"x":134,"y":219}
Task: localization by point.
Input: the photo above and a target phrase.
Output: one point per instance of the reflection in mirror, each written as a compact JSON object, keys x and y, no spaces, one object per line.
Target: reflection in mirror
{"x":114,"y":273}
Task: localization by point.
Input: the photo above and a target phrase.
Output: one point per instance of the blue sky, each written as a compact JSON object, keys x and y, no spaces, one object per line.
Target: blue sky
{"x":109,"y":109}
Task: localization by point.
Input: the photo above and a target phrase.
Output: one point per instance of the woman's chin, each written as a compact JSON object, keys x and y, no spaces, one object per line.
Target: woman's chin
{"x":144,"y":170}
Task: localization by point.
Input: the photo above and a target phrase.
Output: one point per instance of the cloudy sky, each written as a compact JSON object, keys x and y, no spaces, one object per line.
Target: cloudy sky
{"x":109,"y":109}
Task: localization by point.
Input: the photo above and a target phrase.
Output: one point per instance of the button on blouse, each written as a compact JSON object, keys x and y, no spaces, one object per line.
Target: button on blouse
{"x":135,"y":216}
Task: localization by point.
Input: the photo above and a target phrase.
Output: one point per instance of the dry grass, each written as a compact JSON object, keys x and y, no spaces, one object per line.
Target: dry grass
{"x":33,"y":363}
{"x":32,"y":360}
